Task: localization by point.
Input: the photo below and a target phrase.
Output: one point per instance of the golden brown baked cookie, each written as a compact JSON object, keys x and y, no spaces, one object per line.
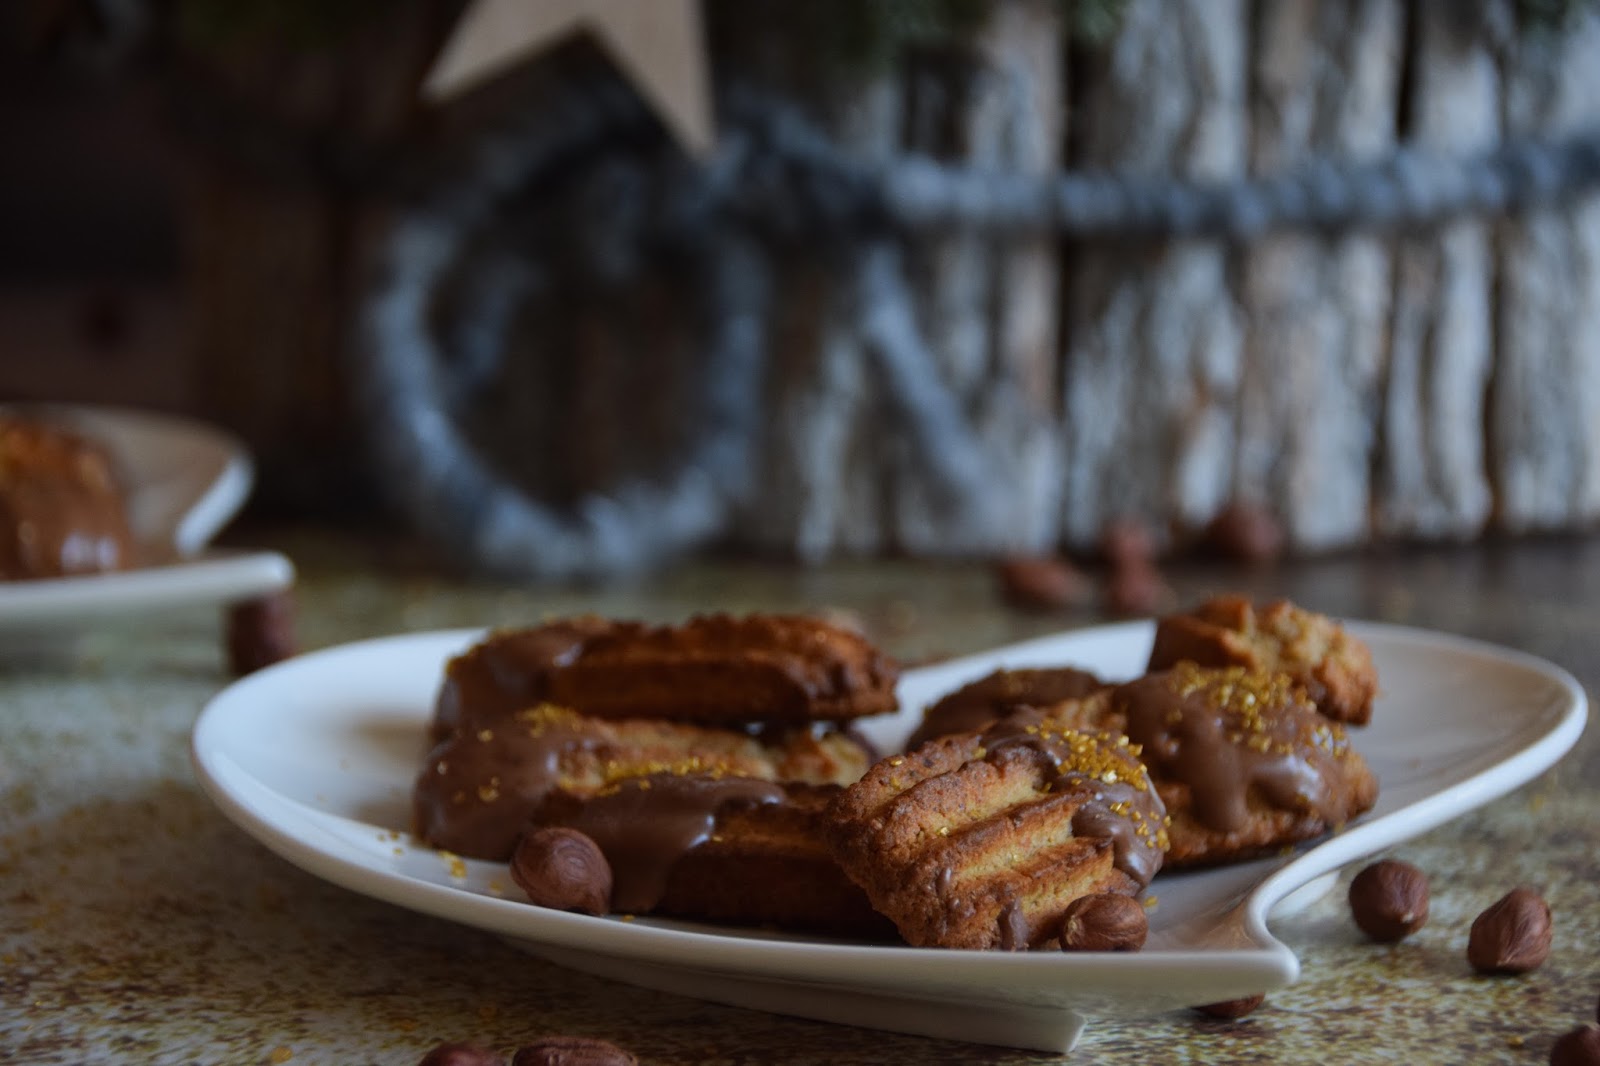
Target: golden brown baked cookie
{"x":718,"y":848}
{"x":714,"y":669}
{"x":478,"y":786}
{"x":1333,"y":667}
{"x":62,"y":511}
{"x":982,"y":840}
{"x":1241,"y":758}
{"x":508,"y":671}
{"x":975,"y":705}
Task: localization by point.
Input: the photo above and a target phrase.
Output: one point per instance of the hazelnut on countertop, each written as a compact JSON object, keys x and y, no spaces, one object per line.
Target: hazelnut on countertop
{"x":1580,"y":1047}
{"x":1512,"y":936}
{"x":1230,"y":1009}
{"x":461,"y":1055}
{"x":1389,"y":900}
{"x":573,"y":1051}
{"x":1042,"y":583}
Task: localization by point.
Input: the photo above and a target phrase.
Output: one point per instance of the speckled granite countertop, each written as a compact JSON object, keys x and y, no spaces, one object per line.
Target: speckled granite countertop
{"x":140,"y":926}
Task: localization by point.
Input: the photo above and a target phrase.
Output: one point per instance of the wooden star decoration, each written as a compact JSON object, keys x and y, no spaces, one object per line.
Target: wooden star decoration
{"x":659,"y":44}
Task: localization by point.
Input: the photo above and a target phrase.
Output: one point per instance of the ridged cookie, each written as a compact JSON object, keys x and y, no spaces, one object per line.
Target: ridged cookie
{"x":717,"y":848}
{"x":975,"y":705}
{"x":982,"y":840}
{"x":714,"y":669}
{"x":477,"y":788}
{"x":1243,"y":762}
{"x":1333,"y":667}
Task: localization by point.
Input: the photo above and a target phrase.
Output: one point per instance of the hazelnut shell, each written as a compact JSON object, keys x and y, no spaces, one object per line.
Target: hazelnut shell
{"x":1104,"y":922}
{"x":1042,"y":584}
{"x":1580,"y":1047}
{"x":461,"y":1055}
{"x":562,"y":869}
{"x":1389,"y":900}
{"x":1512,"y":936}
{"x":572,"y":1051}
{"x":1230,"y":1009}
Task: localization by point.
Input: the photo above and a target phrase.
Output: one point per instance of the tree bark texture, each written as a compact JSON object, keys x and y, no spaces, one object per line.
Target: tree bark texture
{"x":1152,"y":348}
{"x":1316,"y":308}
{"x":1432,"y":474}
{"x":823,"y":484}
{"x":987,"y":305}
{"x":839,"y":476}
{"x":1544,"y":435}
{"x":1430,"y":384}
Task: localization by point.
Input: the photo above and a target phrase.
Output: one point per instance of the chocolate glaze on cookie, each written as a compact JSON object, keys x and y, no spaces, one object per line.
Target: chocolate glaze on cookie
{"x":1224,"y":733}
{"x":506,"y":672}
{"x":783,"y":670}
{"x":1123,"y":806}
{"x":644,"y":825}
{"x":973,"y":706}
{"x":478,"y":786}
{"x":1243,"y":760}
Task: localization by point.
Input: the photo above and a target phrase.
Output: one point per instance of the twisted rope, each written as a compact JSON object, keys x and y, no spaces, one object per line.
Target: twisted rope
{"x":775,"y":181}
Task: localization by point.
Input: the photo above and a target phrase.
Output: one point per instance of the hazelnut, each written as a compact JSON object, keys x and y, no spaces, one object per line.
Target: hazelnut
{"x":1042,"y":584}
{"x":1512,"y":936}
{"x":572,"y":1051}
{"x":260,"y":632}
{"x":1389,"y":900}
{"x":1135,"y":589}
{"x":461,"y":1055}
{"x":1230,"y":1009}
{"x":1104,"y":921}
{"x":1581,"y":1047}
{"x":1246,"y":532}
{"x":1127,"y":542}
{"x":563,"y":869}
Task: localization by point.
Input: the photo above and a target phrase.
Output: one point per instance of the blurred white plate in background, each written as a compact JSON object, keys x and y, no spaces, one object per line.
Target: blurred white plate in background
{"x":184,"y":481}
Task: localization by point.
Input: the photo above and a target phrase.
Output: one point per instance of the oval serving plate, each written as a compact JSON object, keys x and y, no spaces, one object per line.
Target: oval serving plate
{"x":314,"y":757}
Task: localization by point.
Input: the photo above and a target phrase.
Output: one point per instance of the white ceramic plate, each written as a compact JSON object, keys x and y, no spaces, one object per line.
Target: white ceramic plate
{"x":185,"y":480}
{"x":315,"y":757}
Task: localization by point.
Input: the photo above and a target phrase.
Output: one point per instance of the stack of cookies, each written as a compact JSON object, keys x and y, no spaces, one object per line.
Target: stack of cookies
{"x":706,"y":771}
{"x":703,"y":756}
